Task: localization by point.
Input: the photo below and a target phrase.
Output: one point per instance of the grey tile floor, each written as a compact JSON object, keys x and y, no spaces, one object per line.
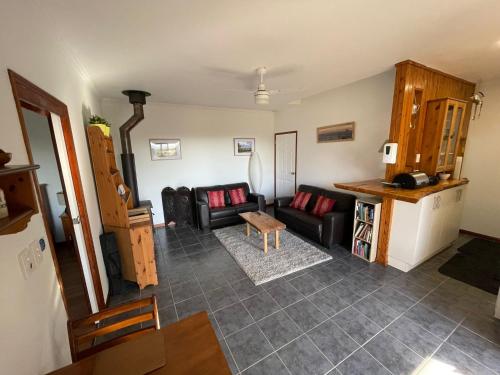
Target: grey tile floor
{"x":341,"y":317}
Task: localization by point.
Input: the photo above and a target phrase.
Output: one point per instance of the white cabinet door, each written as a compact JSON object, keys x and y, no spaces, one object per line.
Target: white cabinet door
{"x":430,"y":228}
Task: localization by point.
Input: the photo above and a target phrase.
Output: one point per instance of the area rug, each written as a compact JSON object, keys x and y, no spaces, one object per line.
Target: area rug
{"x":477,"y":263}
{"x":294,"y":254}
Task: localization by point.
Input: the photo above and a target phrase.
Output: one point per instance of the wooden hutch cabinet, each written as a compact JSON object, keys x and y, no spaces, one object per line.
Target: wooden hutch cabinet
{"x":443,"y":127}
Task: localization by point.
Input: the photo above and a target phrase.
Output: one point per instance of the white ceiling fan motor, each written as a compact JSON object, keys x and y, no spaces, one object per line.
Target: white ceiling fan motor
{"x":262,"y":96}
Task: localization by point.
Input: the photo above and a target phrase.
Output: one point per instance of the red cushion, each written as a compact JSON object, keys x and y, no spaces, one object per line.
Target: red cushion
{"x":216,"y":199}
{"x":300,"y":200}
{"x":323,"y":205}
{"x":237,"y":196}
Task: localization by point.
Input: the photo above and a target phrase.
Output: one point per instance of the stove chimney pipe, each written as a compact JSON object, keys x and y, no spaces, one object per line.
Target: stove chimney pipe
{"x":137,"y":99}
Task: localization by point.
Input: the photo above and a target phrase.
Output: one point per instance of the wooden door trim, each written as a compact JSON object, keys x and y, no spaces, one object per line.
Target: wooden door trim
{"x":296,"y":141}
{"x":28,"y":94}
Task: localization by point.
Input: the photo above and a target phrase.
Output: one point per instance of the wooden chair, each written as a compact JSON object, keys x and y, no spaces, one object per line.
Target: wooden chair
{"x":83,"y":333}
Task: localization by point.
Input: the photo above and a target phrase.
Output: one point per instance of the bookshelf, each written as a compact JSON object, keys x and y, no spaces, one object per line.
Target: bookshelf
{"x":366,"y":227}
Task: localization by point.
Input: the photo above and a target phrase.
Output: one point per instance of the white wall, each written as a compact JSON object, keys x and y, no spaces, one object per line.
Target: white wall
{"x":32,"y":317}
{"x":206,"y":142}
{"x":43,"y":153}
{"x":481,"y":166}
{"x":367,"y":102}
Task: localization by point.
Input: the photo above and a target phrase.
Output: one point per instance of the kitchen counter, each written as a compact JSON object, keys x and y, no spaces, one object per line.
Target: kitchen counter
{"x":375,"y":187}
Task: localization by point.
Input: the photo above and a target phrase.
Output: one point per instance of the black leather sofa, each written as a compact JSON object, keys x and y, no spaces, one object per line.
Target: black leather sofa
{"x":334,"y":228}
{"x":218,"y":217}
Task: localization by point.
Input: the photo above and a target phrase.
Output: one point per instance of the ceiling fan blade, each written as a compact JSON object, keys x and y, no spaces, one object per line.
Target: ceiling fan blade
{"x":283,"y":70}
{"x":241,"y":90}
{"x":285,"y":91}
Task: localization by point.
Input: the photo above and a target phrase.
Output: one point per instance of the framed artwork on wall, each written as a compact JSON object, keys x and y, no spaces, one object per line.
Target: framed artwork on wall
{"x":336,"y":133}
{"x":244,"y":146}
{"x":165,"y":149}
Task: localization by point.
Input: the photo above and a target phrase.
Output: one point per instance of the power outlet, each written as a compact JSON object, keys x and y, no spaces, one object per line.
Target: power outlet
{"x":27,"y":262}
{"x":37,"y":252}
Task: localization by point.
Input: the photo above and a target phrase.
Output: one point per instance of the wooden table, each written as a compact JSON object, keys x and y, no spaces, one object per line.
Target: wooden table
{"x":264,"y":224}
{"x":191,"y":347}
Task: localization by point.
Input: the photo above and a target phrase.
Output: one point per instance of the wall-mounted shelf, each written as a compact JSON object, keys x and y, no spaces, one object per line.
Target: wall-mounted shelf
{"x":16,"y":181}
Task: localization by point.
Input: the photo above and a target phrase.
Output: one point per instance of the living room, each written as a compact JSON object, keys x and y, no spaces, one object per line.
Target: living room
{"x":284,"y":293}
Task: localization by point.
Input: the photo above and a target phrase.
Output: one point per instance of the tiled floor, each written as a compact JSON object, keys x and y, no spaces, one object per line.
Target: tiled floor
{"x":341,"y":317}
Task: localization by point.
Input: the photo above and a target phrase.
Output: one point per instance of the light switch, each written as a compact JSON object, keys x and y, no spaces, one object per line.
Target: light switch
{"x":37,"y":252}
{"x":27,"y":262}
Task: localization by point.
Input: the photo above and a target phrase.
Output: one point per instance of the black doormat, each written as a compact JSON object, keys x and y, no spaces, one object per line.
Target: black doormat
{"x":477,"y":263}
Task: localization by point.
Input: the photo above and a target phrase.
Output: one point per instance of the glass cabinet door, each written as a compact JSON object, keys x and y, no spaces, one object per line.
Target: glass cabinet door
{"x":455,"y":133}
{"x":447,"y":130}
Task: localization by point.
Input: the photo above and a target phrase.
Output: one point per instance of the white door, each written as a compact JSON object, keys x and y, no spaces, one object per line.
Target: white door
{"x":73,"y":207}
{"x":285,"y":162}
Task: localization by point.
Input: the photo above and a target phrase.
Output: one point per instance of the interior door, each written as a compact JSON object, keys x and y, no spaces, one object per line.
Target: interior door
{"x":285,"y":160}
{"x":73,"y":206}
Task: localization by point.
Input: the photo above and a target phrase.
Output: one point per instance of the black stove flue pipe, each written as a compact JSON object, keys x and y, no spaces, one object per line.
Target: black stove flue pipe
{"x":137,"y":99}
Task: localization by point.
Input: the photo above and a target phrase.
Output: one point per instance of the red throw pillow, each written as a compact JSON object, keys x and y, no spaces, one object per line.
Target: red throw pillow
{"x":300,"y":200}
{"x":237,"y":196}
{"x":216,"y":199}
{"x":323,"y":205}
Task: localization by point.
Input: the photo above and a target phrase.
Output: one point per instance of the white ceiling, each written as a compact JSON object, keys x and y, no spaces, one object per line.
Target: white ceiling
{"x":185,"y":51}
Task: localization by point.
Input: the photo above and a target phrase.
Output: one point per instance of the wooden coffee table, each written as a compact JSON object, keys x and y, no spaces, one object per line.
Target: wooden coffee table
{"x":264,"y":224}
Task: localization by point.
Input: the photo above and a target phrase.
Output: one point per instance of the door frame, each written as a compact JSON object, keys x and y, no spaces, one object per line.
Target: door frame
{"x":296,"y":140}
{"x":28,"y":95}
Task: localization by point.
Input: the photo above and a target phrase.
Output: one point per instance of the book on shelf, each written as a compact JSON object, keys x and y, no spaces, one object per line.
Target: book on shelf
{"x":365,"y":212}
{"x":363,"y":231}
{"x":362,"y":249}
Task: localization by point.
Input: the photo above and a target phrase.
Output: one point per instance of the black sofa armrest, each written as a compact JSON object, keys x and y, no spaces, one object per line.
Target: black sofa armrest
{"x":333,"y":229}
{"x":202,"y":211}
{"x":259,"y":199}
{"x":282,"y":202}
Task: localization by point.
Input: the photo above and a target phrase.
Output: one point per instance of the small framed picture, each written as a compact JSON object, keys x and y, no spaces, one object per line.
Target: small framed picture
{"x":165,"y":149}
{"x":336,"y":133}
{"x":244,"y":146}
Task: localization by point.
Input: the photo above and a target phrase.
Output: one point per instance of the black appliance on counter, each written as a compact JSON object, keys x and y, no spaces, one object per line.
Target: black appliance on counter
{"x":414,"y":180}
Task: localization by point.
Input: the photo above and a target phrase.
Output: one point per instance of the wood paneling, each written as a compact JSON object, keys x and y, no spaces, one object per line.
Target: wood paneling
{"x":384,"y":231}
{"x":413,"y":79}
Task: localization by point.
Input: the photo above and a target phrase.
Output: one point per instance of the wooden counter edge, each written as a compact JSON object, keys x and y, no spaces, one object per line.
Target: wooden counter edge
{"x":375,"y":187}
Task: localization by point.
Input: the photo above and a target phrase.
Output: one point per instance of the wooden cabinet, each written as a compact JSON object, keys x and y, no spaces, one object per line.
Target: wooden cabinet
{"x":17,"y":183}
{"x":443,"y":127}
{"x":132,"y":226}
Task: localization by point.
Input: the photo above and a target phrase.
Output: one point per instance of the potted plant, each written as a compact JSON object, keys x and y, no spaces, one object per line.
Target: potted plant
{"x":102,"y":123}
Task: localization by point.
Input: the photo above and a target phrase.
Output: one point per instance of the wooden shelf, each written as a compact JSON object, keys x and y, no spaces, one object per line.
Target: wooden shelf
{"x":16,"y":181}
{"x":372,"y":227}
{"x":16,"y":221}
{"x":12,"y":169}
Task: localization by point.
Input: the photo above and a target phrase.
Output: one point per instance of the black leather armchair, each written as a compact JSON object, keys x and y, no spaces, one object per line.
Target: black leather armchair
{"x":334,"y":228}
{"x":228,"y":215}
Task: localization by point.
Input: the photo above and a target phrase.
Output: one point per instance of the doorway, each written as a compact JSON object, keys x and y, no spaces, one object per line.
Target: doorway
{"x":285,"y":164}
{"x":29,"y":97}
{"x":43,"y":139}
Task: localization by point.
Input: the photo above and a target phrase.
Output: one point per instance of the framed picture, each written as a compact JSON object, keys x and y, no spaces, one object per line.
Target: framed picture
{"x":165,"y":149}
{"x":244,"y":146}
{"x":336,"y":133}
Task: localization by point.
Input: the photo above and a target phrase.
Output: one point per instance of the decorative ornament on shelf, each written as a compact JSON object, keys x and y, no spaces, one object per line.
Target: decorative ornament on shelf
{"x":477,"y":100}
{"x":100,"y":122}
{"x":4,"y":158}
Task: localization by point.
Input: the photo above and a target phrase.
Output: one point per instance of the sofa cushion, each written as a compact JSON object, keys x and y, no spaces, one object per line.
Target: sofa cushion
{"x":343,"y":202}
{"x":301,"y":221}
{"x":237,"y":196}
{"x":323,"y":205}
{"x":300,"y":200}
{"x":219,"y":213}
{"x":246,"y":207}
{"x":216,"y":199}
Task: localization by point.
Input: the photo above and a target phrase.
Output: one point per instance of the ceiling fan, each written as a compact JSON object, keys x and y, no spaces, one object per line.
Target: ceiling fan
{"x":262,"y":95}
